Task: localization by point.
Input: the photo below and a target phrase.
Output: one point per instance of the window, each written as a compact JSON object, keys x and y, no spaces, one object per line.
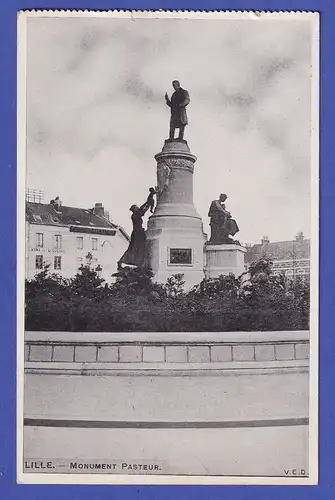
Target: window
{"x":39,"y":240}
{"x":80,"y":242}
{"x":94,"y":243}
{"x":57,"y":241}
{"x":57,"y":262}
{"x":39,"y":262}
{"x":37,"y":218}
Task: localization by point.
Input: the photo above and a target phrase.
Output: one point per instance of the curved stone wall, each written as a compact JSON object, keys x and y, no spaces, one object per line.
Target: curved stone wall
{"x":63,"y":351}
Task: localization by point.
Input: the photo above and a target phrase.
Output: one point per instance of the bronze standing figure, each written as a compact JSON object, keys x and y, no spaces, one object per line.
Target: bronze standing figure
{"x":178,"y":102}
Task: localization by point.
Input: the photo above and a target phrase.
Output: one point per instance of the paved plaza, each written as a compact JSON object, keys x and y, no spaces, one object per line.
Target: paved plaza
{"x":260,"y":448}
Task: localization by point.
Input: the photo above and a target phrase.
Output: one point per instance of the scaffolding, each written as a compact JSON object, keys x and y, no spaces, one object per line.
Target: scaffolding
{"x":34,"y":195}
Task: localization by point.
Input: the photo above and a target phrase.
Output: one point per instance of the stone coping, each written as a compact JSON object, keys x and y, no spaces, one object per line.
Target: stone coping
{"x":177,"y":153}
{"x":199,"y":338}
{"x":166,"y":369}
{"x":226,"y":246}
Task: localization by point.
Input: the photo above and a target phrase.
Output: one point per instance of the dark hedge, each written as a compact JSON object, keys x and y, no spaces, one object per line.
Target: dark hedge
{"x":257,"y":300}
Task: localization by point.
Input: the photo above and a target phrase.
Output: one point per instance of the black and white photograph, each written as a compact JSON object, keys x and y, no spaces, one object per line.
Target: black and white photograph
{"x":168,"y":247}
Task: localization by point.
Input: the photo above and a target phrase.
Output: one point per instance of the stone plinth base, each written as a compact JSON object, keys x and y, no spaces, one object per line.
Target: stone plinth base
{"x":224,"y":259}
{"x":175,"y":246}
{"x":174,"y":237}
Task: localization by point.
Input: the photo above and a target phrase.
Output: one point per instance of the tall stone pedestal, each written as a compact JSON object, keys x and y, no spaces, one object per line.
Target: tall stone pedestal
{"x":224,"y":259}
{"x":175,"y":238}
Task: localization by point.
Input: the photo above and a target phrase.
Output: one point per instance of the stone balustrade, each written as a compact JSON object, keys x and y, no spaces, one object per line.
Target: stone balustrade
{"x":110,"y":351}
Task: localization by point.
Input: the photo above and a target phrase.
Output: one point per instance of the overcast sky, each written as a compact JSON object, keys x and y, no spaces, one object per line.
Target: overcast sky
{"x":96,"y":114}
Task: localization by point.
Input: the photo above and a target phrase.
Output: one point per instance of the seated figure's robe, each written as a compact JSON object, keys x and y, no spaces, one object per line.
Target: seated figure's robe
{"x":222,"y":225}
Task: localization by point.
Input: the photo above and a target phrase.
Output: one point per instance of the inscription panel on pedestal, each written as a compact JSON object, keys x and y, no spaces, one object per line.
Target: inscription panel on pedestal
{"x":181,"y":256}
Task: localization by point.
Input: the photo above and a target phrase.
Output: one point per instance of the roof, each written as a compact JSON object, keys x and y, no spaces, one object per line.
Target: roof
{"x":47,"y":214}
{"x":279,"y":250}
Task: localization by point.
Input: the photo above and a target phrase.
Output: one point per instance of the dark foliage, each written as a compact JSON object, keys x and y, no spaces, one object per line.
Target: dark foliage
{"x":257,"y":300}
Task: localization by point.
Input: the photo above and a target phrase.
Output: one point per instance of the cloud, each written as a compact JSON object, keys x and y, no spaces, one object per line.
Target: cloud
{"x":96,"y":114}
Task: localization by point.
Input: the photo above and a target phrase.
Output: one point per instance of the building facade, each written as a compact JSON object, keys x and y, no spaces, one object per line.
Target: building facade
{"x":290,"y":258}
{"x":66,"y":237}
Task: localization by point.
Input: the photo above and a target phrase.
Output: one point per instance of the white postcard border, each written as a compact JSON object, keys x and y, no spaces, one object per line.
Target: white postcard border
{"x":45,"y":478}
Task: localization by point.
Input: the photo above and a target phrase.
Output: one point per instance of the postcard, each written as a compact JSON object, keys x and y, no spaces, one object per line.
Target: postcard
{"x":168,"y":247}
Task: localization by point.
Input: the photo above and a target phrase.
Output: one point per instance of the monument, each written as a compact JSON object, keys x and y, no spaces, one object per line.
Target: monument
{"x":223,"y":254}
{"x":135,"y":255}
{"x":174,"y":242}
{"x":178,"y":102}
{"x":175,"y":238}
{"x":221,"y":223}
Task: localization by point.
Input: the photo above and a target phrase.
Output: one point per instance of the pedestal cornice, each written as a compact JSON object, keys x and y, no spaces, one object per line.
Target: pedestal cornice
{"x":176,"y":154}
{"x":175,"y":149}
{"x":225,"y":246}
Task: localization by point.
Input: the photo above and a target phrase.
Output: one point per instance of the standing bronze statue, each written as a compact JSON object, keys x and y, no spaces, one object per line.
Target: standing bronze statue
{"x":178,"y":102}
{"x":221,"y":223}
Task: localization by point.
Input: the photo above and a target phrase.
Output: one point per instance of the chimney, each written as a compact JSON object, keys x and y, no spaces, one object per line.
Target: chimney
{"x":56,"y":203}
{"x":299,"y":237}
{"x":99,"y":210}
{"x":265,"y":240}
